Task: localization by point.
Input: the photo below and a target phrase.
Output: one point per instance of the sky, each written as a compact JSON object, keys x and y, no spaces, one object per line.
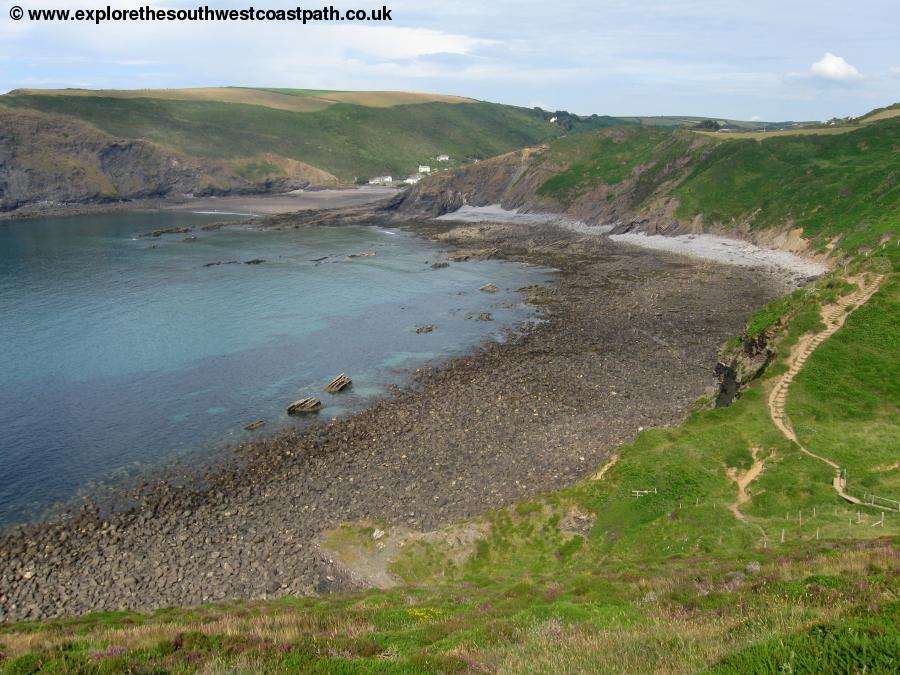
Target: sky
{"x":770,"y":60}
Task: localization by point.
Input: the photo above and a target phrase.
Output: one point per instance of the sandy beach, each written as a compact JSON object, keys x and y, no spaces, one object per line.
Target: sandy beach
{"x":298,"y":200}
{"x":239,"y":204}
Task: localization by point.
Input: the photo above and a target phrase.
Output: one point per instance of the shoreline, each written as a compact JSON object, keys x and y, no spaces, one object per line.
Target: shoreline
{"x":449,"y":445}
{"x":702,"y":245}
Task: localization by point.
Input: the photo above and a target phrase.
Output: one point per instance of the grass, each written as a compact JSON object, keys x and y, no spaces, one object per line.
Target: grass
{"x":607,"y":158}
{"x":602,"y":620}
{"x":860,"y":642}
{"x":845,"y":402}
{"x":669,"y":582}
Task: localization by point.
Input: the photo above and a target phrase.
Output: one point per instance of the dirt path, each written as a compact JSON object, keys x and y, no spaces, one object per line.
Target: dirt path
{"x":833,"y":316}
{"x":606,"y":467}
{"x":743,"y":480}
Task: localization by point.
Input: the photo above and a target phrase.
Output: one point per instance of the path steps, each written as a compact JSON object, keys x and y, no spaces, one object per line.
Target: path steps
{"x":833,"y":316}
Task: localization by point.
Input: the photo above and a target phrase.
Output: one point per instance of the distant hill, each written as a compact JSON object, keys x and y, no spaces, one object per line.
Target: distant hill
{"x":243,"y":140}
{"x":351,"y":135}
{"x":295,"y":100}
{"x":691,"y":121}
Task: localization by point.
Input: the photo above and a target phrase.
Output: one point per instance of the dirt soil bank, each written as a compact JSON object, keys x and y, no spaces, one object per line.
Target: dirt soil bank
{"x":630,"y":341}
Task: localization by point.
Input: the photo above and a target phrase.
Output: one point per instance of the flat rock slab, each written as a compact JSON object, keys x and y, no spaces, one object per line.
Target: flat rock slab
{"x":304,"y":406}
{"x":338,"y":384}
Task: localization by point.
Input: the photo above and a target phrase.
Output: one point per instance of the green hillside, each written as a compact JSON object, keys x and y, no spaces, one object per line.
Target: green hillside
{"x":347,"y":139}
{"x":843,"y":185}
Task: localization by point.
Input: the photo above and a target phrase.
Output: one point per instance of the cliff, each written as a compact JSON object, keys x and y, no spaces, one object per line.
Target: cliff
{"x":46,"y":158}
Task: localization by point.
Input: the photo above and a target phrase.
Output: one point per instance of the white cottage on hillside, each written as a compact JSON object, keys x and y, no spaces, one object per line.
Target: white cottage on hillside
{"x":381,"y":180}
{"x":412,"y":180}
{"x":424,"y":168}
{"x":443,"y":158}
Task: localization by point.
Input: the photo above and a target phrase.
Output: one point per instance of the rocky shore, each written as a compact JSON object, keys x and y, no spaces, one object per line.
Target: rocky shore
{"x":629,"y":341}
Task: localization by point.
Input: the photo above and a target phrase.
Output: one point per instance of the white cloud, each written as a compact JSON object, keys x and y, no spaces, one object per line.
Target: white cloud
{"x":833,"y":67}
{"x":895,"y":71}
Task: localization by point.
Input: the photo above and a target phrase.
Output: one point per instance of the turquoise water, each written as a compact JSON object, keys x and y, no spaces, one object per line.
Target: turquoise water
{"x":121,"y":354}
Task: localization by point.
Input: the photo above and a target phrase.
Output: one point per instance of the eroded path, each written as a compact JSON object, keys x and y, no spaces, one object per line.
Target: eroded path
{"x":743,"y":480}
{"x":833,"y":316}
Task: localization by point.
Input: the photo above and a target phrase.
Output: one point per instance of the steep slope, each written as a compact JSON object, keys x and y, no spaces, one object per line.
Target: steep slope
{"x":51,"y":158}
{"x":787,"y":191}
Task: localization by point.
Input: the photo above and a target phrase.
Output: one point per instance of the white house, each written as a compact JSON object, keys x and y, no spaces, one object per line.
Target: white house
{"x":381,"y":180}
{"x":412,"y":180}
{"x":443,"y":158}
{"x":553,"y":119}
{"x":424,"y":168}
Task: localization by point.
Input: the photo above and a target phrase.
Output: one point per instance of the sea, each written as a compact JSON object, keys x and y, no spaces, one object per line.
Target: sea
{"x":123,"y":354}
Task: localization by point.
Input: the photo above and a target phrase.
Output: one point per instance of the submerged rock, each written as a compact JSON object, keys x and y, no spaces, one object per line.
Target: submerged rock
{"x":165,"y":230}
{"x":489,"y":288}
{"x":255,"y":261}
{"x":364,"y":254}
{"x":253,"y":426}
{"x":425,"y":329}
{"x":440,"y":264}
